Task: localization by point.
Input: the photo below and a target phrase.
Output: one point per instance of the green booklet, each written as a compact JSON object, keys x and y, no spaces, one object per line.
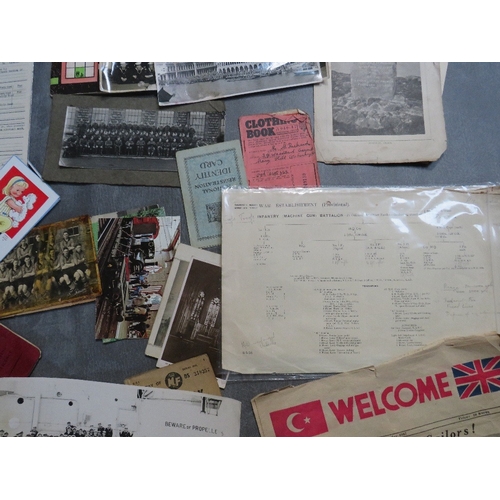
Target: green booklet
{"x":203,"y":172}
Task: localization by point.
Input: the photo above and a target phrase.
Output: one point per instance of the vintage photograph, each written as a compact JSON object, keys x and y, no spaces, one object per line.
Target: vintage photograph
{"x":377,"y":98}
{"x":55,"y":407}
{"x":196,"y":324}
{"x":135,"y":256}
{"x":379,"y":112}
{"x":53,"y":266}
{"x":185,"y":82}
{"x":171,"y":293}
{"x":127,"y":76}
{"x":135,"y":139}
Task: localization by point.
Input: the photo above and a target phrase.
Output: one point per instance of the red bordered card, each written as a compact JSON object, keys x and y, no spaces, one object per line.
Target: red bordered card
{"x":24,"y":200}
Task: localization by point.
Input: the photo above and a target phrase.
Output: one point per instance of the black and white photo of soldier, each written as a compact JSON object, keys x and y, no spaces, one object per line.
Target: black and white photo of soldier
{"x":377,"y":98}
{"x":123,"y":138}
{"x":127,"y":76}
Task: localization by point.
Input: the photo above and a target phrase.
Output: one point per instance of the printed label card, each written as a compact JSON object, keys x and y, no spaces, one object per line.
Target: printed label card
{"x":194,"y":375}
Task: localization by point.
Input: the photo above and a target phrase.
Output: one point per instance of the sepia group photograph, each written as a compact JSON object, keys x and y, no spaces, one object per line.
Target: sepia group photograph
{"x":53,"y":266}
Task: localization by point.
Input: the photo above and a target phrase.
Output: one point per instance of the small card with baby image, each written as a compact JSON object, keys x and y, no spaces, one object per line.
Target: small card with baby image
{"x":24,"y":199}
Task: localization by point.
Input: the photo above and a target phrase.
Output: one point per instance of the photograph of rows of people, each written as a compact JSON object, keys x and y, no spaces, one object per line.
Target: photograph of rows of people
{"x":51,"y":265}
{"x":137,"y":133}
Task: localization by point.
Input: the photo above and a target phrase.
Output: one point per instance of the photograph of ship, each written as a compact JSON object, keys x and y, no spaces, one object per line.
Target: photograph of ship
{"x":54,"y":407}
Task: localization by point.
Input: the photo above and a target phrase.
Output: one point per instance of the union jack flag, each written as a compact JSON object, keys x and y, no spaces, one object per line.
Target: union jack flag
{"x":477,"y":377}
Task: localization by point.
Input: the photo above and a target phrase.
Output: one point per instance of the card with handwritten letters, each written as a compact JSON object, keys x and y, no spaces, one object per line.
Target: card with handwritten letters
{"x":278,"y":150}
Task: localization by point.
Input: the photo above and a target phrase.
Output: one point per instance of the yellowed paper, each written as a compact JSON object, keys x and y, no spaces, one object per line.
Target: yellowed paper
{"x":194,"y":374}
{"x":329,"y":280}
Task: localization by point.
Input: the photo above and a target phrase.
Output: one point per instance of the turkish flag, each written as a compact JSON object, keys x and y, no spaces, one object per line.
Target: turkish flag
{"x":305,"y":420}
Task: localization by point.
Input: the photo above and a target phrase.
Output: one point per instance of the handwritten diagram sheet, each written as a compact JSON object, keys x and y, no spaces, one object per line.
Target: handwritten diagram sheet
{"x":328,"y":280}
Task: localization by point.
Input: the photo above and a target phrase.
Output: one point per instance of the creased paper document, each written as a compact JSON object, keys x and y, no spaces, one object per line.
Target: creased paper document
{"x":328,"y":280}
{"x":380,"y":112}
{"x":448,"y":389}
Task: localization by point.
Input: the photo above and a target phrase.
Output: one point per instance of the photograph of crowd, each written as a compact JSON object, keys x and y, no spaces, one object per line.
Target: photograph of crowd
{"x":125,"y":138}
{"x":72,"y":430}
{"x":134,"y":255}
{"x":53,"y":266}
